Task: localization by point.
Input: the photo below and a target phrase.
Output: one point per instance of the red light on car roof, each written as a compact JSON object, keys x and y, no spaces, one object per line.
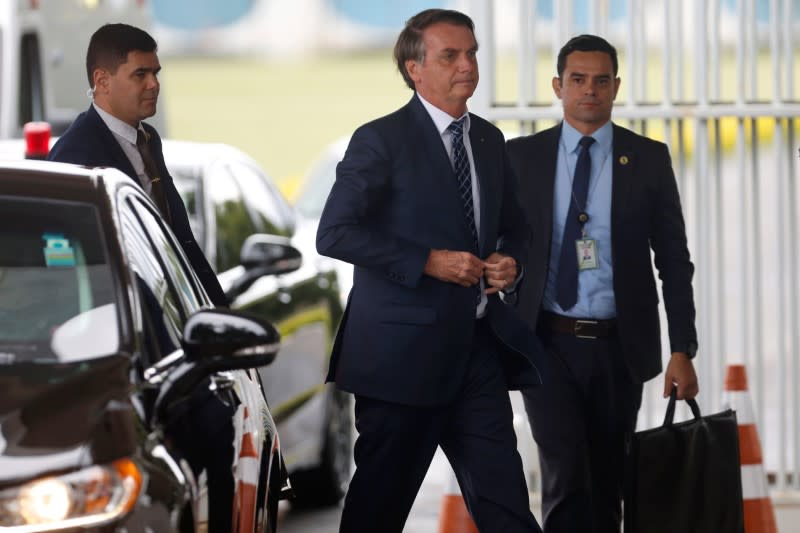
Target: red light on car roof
{"x":37,"y":139}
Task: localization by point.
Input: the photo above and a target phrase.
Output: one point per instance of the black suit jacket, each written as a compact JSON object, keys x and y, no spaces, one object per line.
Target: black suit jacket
{"x":645,"y":213}
{"x":406,"y":337}
{"x":89,"y":142}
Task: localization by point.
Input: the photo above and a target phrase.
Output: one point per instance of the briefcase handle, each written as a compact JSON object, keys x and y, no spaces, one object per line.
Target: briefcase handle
{"x":673,"y":395}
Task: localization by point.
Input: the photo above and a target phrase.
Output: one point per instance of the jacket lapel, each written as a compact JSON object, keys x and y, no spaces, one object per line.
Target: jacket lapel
{"x":622,"y":178}
{"x":117,"y":156}
{"x":486,"y":179}
{"x":546,"y":162}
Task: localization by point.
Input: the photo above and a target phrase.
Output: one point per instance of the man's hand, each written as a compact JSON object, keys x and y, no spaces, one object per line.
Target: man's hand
{"x":680,"y":372}
{"x":454,"y":267}
{"x":500,"y":272}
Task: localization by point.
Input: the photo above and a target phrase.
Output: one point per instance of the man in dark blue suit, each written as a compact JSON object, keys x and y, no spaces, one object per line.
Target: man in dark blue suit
{"x":122,"y":67}
{"x":600,"y":198}
{"x":424,"y":206}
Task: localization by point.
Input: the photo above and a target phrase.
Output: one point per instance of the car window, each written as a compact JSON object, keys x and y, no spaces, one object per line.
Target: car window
{"x":175,"y":264}
{"x":163,"y":311}
{"x":189,"y":185}
{"x":268,"y":208}
{"x":234,"y":224}
{"x":57,"y":297}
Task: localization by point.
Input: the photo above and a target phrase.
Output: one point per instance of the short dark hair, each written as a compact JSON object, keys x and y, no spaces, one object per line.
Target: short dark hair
{"x":110,"y":45}
{"x":586,"y":43}
{"x":410,"y":44}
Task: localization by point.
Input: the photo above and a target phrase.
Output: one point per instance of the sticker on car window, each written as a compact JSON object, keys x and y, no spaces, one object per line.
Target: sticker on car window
{"x":57,"y":251}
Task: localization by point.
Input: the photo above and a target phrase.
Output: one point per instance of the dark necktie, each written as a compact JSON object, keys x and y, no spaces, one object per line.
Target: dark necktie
{"x":151,"y":171}
{"x":464,"y":176}
{"x":567,"y":285}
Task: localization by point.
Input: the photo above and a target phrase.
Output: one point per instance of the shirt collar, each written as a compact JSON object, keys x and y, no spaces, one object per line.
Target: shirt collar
{"x":442,"y":119}
{"x":571,"y":137}
{"x":121,"y":128}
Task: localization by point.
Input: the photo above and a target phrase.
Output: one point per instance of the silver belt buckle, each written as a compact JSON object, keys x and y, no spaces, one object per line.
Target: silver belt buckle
{"x":579,"y":326}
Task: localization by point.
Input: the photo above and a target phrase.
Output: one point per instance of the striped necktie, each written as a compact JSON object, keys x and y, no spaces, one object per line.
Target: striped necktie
{"x":464,"y":176}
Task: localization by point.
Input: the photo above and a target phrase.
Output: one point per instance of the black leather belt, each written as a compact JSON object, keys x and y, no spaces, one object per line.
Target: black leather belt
{"x":584,"y":328}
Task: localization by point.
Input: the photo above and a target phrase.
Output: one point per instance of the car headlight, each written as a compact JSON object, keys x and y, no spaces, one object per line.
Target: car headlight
{"x":90,"y":497}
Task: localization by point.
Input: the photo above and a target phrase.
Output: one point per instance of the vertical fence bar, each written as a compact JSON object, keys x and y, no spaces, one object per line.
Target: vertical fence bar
{"x":781,"y":323}
{"x":791,"y":168}
{"x":789,"y":51}
{"x":758,"y":293}
{"x":721,"y":313}
{"x":630,"y":53}
{"x":744,"y":228}
{"x":601,"y":22}
{"x":704,"y":256}
{"x":774,"y":47}
{"x":714,"y":50}
{"x":525,"y":55}
{"x":679,"y":65}
{"x":752,"y":49}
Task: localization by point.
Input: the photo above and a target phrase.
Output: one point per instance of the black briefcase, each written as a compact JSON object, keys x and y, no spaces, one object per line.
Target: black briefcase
{"x":685,"y":477}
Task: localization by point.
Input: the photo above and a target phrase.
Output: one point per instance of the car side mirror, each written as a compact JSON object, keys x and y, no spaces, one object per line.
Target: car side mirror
{"x":264,"y":255}
{"x":214,"y":340}
{"x":229,"y":340}
{"x":270,"y":252}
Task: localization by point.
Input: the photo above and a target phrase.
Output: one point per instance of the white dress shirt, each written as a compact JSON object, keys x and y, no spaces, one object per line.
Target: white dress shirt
{"x":125,"y":134}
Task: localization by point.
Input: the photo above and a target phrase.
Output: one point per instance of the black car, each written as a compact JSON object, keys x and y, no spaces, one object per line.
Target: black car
{"x":231,"y":202}
{"x":106,"y":338}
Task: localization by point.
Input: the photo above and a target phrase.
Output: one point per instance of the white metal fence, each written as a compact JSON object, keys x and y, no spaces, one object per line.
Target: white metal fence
{"x":718,"y":81}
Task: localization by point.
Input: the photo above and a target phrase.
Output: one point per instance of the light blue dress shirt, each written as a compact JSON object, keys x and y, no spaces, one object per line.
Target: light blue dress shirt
{"x":595,"y":286}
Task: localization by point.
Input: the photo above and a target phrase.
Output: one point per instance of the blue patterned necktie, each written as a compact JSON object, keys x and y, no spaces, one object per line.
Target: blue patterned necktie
{"x":463,"y":176}
{"x":567,"y":280}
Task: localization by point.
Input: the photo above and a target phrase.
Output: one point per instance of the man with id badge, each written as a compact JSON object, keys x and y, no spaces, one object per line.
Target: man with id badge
{"x":599,"y":197}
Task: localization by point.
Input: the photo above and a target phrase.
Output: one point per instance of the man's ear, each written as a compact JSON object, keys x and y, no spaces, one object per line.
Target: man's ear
{"x":100,"y":79}
{"x":557,"y":86}
{"x":412,"y":67}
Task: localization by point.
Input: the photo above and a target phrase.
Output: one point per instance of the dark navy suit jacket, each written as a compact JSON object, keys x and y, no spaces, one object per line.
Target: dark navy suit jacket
{"x":89,"y":142}
{"x":645,"y":213}
{"x":406,"y":337}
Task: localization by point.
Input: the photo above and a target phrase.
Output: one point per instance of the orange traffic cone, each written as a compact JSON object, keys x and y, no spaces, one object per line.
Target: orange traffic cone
{"x":454,"y":515}
{"x":758,"y":514}
{"x":246,"y":470}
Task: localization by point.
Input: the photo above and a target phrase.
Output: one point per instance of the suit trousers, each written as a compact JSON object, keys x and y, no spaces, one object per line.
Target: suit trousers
{"x":580,"y":419}
{"x":396,"y":444}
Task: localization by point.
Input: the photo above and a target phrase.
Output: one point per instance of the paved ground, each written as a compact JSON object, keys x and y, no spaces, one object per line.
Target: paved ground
{"x":423,"y":518}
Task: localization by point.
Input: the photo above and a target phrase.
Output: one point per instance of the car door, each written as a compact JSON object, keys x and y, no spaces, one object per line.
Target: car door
{"x":168,"y":293}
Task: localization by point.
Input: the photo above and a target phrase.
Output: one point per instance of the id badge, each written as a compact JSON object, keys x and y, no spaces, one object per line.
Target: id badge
{"x":587,"y":253}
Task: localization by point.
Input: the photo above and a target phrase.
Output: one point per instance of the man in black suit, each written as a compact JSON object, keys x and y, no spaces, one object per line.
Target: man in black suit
{"x":425,"y":208}
{"x":600,"y":197}
{"x":122,"y":67}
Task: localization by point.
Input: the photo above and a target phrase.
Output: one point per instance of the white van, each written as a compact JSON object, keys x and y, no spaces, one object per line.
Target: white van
{"x":43,"y":58}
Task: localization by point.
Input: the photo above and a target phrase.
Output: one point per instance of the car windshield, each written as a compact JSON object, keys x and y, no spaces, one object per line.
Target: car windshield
{"x":57,"y":300}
